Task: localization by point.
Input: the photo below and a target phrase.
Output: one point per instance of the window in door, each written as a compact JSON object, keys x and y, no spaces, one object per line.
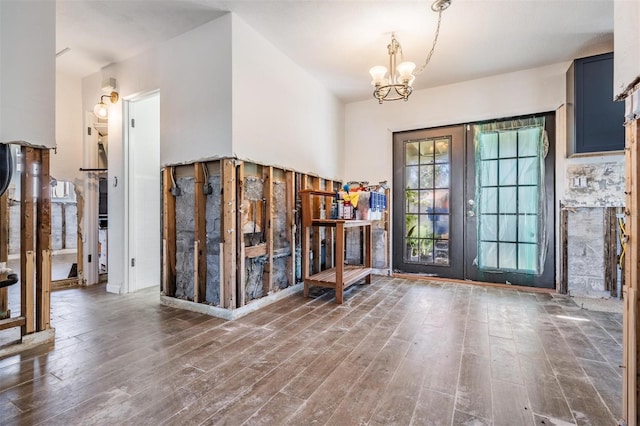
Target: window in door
{"x":509,"y":198}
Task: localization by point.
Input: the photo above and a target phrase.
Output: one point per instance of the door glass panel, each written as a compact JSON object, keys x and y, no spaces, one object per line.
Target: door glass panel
{"x":426,"y":152}
{"x":427,"y":190}
{"x":509,"y":193}
{"x":411,"y":176}
{"x":507,"y":172}
{"x":412,"y":153}
{"x":442,"y":176}
{"x":508,"y":227}
{"x":426,"y":176}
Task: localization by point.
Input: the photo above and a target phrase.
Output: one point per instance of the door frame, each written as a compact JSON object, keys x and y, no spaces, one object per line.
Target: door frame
{"x":550,"y":273}
{"x":456,"y":218}
{"x":129,"y":284}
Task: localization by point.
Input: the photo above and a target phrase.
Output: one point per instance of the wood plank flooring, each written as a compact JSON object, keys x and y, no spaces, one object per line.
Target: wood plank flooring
{"x":397,"y":352}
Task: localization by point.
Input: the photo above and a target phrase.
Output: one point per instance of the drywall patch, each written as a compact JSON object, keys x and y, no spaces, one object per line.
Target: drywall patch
{"x":71,"y":229}
{"x":279,"y":224}
{"x":279,"y":273}
{"x":585,"y":252}
{"x":595,"y":185}
{"x":254,"y":269}
{"x":56,"y":226}
{"x":185,"y":237}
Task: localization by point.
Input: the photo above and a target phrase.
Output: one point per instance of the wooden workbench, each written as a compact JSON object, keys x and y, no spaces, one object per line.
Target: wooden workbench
{"x":341,"y":276}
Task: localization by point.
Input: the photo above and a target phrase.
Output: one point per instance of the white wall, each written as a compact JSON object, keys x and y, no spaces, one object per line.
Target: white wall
{"x":626,"y":17}
{"x":27,"y":66}
{"x":67,"y":158}
{"x":281,"y":114}
{"x":193,"y":73}
{"x":369,"y":126}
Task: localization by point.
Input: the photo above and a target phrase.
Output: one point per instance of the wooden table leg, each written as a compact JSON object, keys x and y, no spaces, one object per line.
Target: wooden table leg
{"x":305,"y":260}
{"x":339,"y":262}
{"x":367,"y":251}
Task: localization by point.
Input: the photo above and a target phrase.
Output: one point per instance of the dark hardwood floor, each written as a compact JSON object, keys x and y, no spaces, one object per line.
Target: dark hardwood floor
{"x":397,"y":352}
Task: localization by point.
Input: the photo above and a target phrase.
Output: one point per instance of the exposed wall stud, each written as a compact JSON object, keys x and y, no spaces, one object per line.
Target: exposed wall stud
{"x":229,"y":197}
{"x":27,"y":234}
{"x":200,"y":234}
{"x":43,"y":244}
{"x":241,"y":222}
{"x":168,"y":234}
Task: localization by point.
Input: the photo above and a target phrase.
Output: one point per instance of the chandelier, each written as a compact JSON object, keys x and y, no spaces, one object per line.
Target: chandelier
{"x":398,"y":84}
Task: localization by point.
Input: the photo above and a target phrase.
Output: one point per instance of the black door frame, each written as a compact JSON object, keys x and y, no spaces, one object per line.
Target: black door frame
{"x":548,"y":277}
{"x":455,"y":269}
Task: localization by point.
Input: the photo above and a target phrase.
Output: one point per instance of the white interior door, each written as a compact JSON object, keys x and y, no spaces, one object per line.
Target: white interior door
{"x":144,"y":192}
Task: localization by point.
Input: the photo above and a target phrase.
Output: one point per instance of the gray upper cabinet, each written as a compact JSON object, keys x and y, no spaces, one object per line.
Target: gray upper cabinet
{"x":594,"y":119}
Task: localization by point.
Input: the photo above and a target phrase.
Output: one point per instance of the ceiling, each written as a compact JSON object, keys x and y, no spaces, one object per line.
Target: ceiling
{"x":337,"y":41}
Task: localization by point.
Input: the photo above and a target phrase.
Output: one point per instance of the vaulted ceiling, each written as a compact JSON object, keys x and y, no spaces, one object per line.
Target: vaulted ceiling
{"x":338,"y":41}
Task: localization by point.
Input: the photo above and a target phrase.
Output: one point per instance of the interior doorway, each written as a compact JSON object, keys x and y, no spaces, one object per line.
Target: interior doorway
{"x":144,"y":189}
{"x":476,"y":201}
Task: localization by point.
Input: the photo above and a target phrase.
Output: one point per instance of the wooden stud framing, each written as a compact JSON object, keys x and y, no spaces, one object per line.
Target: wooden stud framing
{"x":564,"y":254}
{"x":240,"y":223}
{"x":267,"y":174}
{"x":630,"y":322}
{"x":200,"y":234}
{"x":316,"y":240}
{"x":4,"y":252}
{"x":291,"y":226}
{"x":228,"y":233}
{"x":168,"y":234}
{"x":27,"y":235}
{"x":43,"y":245}
{"x":196,"y":268}
{"x":611,"y":251}
{"x":297,"y":219}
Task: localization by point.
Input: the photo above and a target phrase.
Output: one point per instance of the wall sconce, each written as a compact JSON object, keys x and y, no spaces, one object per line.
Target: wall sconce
{"x":101,"y":110}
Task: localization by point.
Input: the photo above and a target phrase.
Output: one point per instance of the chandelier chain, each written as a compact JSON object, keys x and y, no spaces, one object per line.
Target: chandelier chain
{"x":433,"y":46}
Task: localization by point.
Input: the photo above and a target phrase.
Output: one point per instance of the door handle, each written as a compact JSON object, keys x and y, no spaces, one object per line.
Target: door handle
{"x":471,"y":213}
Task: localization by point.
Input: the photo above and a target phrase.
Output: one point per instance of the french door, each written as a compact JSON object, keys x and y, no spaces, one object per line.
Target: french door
{"x":428,"y":195}
{"x":477,"y":201}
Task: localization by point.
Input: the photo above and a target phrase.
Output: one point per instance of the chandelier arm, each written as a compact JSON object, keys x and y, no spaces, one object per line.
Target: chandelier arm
{"x":433,"y":46}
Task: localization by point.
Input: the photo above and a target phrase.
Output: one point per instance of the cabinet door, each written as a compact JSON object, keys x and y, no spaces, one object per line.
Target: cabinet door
{"x":599,"y":119}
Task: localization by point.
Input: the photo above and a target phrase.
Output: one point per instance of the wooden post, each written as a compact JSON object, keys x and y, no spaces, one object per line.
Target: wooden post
{"x":316,"y":244}
{"x":267,"y":174}
{"x":632,"y":275}
{"x":564,"y":254}
{"x":298,"y":224}
{"x":328,"y":231}
{"x":610,"y":251}
{"x":4,"y":252}
{"x":291,"y":226}
{"x":228,"y":233}
{"x":168,"y":234}
{"x":339,"y":262}
{"x":200,"y":235}
{"x":239,"y":226}
{"x":27,"y":240}
{"x":196,"y":268}
{"x":43,"y":246}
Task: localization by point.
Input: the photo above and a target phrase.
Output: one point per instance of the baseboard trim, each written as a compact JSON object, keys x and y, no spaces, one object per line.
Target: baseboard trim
{"x":112,"y":288}
{"x":230,"y":314}
{"x":30,"y":341}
